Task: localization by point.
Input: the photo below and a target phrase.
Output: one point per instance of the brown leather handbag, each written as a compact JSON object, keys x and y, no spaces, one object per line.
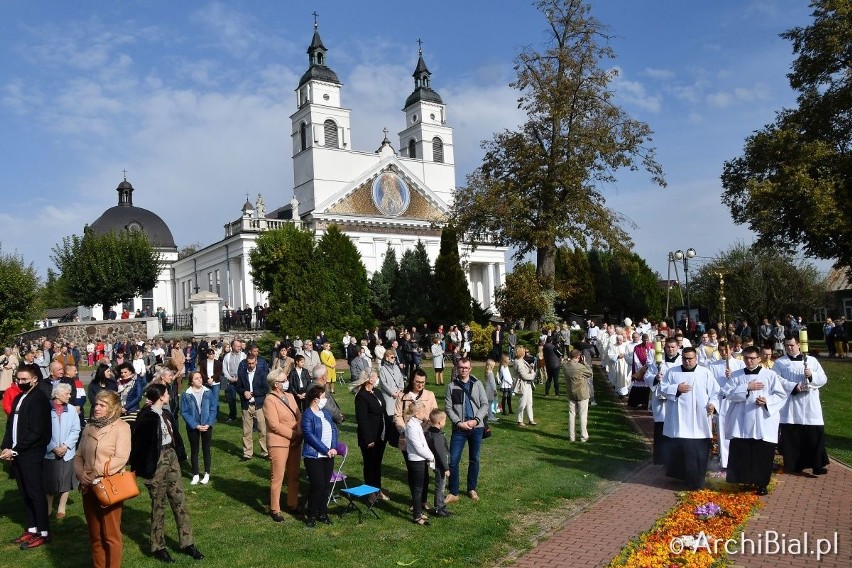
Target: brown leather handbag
{"x":114,"y":489}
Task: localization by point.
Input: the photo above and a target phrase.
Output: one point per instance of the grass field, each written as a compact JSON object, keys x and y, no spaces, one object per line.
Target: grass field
{"x":836,"y":398}
{"x":529,"y":481}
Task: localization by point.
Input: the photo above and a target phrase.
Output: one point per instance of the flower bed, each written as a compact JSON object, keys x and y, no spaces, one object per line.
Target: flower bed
{"x":685,"y":536}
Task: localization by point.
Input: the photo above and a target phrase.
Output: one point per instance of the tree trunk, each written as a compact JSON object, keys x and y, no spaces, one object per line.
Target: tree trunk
{"x":545,"y":270}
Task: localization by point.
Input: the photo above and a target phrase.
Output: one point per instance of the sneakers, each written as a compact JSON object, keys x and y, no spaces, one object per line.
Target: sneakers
{"x":206,"y":479}
{"x":34,"y":542}
{"x":472,"y":494}
{"x":451,"y":499}
{"x":195,"y":479}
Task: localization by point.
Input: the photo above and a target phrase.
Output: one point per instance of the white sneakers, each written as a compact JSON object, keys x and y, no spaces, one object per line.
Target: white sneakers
{"x":194,"y":480}
{"x":205,"y":479}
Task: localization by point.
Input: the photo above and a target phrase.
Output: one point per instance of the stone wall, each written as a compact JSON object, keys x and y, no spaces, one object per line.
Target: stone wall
{"x":109,"y":330}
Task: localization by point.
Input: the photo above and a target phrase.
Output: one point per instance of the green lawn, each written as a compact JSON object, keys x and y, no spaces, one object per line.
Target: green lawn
{"x":529,"y":480}
{"x":836,"y":398}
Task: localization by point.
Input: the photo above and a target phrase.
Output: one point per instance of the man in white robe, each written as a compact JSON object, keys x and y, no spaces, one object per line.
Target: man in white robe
{"x":653,"y":380}
{"x":722,"y":371}
{"x":802,"y":426}
{"x":692,"y":396}
{"x":754,"y":397}
{"x":620,"y":359}
{"x":708,"y":350}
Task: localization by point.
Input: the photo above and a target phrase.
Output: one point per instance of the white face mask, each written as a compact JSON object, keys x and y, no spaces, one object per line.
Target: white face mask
{"x":285,"y":385}
{"x":321,"y":403}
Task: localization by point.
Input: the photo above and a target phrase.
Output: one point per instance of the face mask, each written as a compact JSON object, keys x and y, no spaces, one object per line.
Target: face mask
{"x":285,"y":385}
{"x":322,"y":402}
{"x":25,"y":387}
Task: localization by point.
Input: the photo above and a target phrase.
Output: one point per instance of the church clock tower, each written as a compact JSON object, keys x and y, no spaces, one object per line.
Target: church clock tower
{"x":427,"y":138}
{"x":320,"y":128}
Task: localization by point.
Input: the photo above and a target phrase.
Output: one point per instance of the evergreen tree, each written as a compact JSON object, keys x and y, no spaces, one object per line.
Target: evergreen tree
{"x":454,"y":303}
{"x":346,"y":277}
{"x":382,"y":285}
{"x":415,"y":287}
{"x":599,"y":267}
{"x":522,"y":296}
{"x":54,"y":294}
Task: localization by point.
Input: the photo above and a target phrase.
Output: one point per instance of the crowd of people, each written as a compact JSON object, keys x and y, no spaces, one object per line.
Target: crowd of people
{"x":697,"y":394}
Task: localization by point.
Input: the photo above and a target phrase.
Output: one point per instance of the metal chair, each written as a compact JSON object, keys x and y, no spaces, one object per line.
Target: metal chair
{"x":338,"y":476}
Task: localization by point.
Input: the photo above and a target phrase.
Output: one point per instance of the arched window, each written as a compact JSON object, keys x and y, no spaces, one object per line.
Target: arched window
{"x":412,"y":148}
{"x":330,"y":134}
{"x":437,"y":150}
{"x":303,"y":136}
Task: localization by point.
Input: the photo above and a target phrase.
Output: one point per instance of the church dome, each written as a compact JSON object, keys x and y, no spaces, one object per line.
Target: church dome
{"x":125,"y":216}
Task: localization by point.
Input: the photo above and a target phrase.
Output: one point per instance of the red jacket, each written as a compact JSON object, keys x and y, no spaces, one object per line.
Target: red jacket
{"x":9,"y":396}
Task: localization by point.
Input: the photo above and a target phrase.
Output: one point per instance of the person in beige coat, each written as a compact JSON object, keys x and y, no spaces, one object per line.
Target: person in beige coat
{"x":283,"y":441}
{"x":415,"y":391}
{"x":105,"y":439}
{"x":577,"y":374}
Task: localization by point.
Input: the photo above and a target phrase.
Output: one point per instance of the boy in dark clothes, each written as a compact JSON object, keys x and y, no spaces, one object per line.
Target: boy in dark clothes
{"x":437,"y":442}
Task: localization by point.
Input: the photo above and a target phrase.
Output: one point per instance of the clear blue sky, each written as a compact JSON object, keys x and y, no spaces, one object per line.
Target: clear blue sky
{"x":194,"y":98}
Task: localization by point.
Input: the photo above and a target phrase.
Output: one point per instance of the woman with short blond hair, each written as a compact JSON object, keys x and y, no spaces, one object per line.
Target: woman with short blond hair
{"x":283,"y":441}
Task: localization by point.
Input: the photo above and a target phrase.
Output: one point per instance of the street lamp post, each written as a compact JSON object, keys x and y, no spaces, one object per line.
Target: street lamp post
{"x":680,"y":255}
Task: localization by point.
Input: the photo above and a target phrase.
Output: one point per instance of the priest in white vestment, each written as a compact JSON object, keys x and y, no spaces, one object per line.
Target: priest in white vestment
{"x":653,"y":380}
{"x":620,"y":359}
{"x":802,"y":426}
{"x":722,"y":371}
{"x":754,"y":397}
{"x":692,"y":396}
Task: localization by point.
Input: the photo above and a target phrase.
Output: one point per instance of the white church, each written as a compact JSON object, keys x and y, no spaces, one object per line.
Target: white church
{"x":379,"y":198}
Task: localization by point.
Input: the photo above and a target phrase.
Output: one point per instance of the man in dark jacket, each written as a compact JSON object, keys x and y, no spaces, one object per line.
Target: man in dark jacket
{"x":28,"y":432}
{"x":253,"y":388}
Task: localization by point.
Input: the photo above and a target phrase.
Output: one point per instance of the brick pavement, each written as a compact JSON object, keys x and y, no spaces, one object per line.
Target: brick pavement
{"x":820,"y":505}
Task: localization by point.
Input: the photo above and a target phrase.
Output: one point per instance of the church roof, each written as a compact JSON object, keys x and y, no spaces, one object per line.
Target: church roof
{"x":422,"y":91}
{"x":125,"y":216}
{"x":318,"y":70}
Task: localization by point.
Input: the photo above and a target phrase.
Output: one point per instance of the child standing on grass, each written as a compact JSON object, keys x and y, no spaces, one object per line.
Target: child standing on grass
{"x":419,"y":459}
{"x":506,"y":384}
{"x":438,"y":444}
{"x":491,"y":389}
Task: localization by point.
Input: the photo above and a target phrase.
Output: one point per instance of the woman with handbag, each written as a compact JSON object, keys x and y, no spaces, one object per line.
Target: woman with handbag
{"x":525,"y":377}
{"x":105,"y":443}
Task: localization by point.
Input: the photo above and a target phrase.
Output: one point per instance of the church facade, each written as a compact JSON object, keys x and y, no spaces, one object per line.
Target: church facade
{"x":379,"y":198}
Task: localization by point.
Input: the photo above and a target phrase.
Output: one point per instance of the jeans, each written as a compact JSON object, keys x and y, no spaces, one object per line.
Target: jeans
{"x":440,"y":484}
{"x":195,"y":438}
{"x":457,"y":441}
{"x":231,"y":398}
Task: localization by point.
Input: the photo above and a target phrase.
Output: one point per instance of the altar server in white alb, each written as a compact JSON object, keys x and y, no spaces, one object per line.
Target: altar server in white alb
{"x":802,"y":426}
{"x":653,"y":380}
{"x":620,"y":358}
{"x":722,"y":371}
{"x":692,"y":396}
{"x":754,"y":397}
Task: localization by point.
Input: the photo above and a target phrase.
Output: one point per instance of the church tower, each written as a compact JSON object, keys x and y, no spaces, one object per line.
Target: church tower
{"x":320,"y":128}
{"x":427,"y":138}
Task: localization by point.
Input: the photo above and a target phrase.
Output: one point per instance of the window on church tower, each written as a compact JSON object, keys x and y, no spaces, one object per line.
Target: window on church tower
{"x":330,"y":134}
{"x":303,"y":136}
{"x":412,"y":148}
{"x":437,"y":150}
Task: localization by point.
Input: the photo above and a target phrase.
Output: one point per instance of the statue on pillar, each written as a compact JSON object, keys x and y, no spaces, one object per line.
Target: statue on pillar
{"x":260,"y":206}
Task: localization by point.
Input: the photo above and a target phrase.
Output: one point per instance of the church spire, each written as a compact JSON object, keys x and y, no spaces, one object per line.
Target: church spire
{"x":422,"y":90}
{"x":125,"y":192}
{"x":317,"y":67}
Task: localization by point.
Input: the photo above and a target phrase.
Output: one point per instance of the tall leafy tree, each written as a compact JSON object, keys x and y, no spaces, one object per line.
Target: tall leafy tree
{"x":522,"y":296}
{"x":107,"y":269}
{"x":758,"y":283}
{"x":19,"y":295}
{"x":54,"y":293}
{"x":453,"y":303}
{"x":415,"y":288}
{"x":346,"y":276}
{"x":382,"y":285}
{"x":575,"y":290}
{"x":792,"y":183}
{"x":540,"y":185}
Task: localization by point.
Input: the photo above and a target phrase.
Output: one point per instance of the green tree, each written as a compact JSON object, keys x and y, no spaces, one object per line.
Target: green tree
{"x":19,"y":295}
{"x":283,"y":264}
{"x":382,"y":285}
{"x":346,"y":277}
{"x":624,"y":285}
{"x":54,"y":294}
{"x":758,"y":283}
{"x":107,"y":269}
{"x":599,"y":267}
{"x":522,"y":296}
{"x":454,"y":303}
{"x":415,"y":288}
{"x":540,"y":185}
{"x":792,"y":183}
{"x":574,"y":286}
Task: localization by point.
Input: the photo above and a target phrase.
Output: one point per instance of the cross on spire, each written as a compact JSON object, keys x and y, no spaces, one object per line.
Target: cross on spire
{"x":419,"y":46}
{"x":125,"y":174}
{"x":385,"y":130}
{"x":315,"y":19}
{"x":247,"y":196}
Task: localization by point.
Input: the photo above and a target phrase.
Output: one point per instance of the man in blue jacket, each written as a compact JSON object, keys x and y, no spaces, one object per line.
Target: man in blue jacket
{"x":253,"y":388}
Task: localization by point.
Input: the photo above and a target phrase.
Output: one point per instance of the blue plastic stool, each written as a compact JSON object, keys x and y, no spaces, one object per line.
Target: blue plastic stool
{"x":352,"y":494}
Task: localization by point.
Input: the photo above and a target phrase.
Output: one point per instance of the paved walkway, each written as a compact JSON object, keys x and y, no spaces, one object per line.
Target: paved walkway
{"x":820,"y":506}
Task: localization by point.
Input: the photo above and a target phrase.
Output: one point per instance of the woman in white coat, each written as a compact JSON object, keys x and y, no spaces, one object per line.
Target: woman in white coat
{"x":524,"y":380}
